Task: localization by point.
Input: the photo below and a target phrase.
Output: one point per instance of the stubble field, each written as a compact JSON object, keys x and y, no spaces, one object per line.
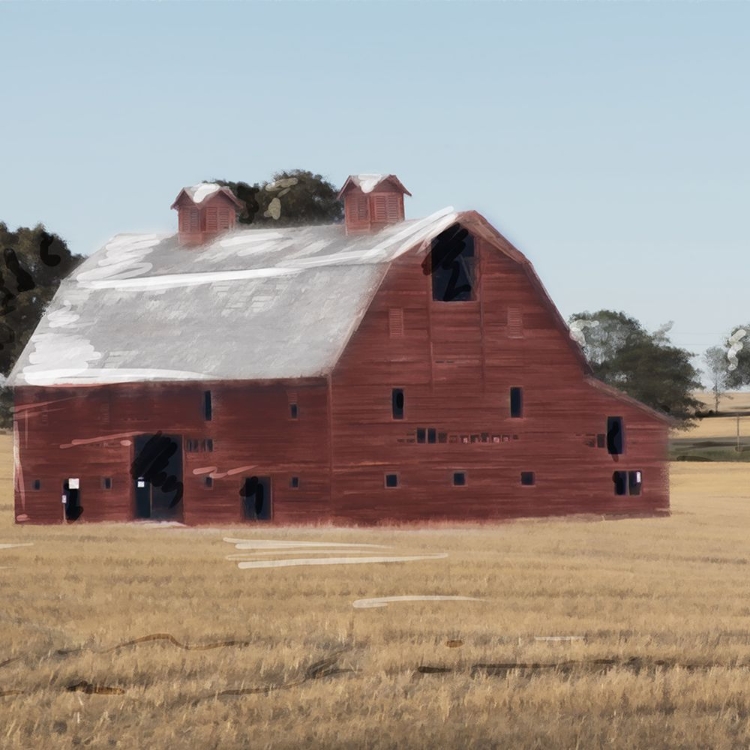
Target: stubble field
{"x":652,"y":618}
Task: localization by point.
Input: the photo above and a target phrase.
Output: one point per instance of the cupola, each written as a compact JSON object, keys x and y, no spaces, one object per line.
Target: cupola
{"x":205,"y":211}
{"x":371,"y":202}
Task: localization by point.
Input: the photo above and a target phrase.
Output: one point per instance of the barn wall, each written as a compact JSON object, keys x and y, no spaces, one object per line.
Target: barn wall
{"x":456,"y":362}
{"x":87,"y":432}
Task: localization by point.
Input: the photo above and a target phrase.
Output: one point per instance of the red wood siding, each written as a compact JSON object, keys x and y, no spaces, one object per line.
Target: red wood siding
{"x":456,"y":362}
{"x":250,"y":427}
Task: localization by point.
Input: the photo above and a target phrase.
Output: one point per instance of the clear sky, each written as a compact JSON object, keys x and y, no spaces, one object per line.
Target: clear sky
{"x":610,"y":142}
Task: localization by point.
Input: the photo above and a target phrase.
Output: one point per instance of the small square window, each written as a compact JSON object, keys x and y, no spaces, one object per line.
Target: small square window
{"x":432,"y":435}
{"x":600,"y":440}
{"x":37,"y":484}
{"x":293,"y":411}
{"x":464,"y":438}
{"x":496,"y":438}
{"x":397,"y":403}
{"x":421,"y":434}
{"x":294,"y":483}
{"x":391,"y":480}
{"x":107,"y":483}
{"x":635,"y":481}
{"x":528,"y":478}
{"x":459,"y":479}
{"x":208,"y":482}
{"x":442,"y":437}
{"x":475,"y":438}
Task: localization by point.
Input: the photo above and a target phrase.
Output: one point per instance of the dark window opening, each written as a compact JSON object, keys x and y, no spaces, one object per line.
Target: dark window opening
{"x":475,"y":438}
{"x":391,"y":480}
{"x":107,"y":483}
{"x":293,"y":411}
{"x":421,"y":434}
{"x":459,"y":479}
{"x":615,"y":436}
{"x":442,"y":437}
{"x":397,"y":403}
{"x":208,"y":481}
{"x":635,"y":480}
{"x":620,"y":478}
{"x":516,"y":403}
{"x":37,"y":484}
{"x":294,"y":482}
{"x":600,"y":438}
{"x":432,"y":435}
{"x":451,"y":263}
{"x":210,"y":445}
{"x":207,"y":405}
{"x":528,"y":478}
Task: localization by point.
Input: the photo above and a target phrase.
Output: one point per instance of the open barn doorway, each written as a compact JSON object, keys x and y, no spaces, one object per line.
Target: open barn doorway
{"x":72,"y":499}
{"x":256,"y":498}
{"x":157,"y":477}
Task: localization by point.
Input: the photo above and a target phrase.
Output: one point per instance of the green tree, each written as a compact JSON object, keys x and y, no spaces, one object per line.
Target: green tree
{"x":717,"y":364}
{"x":33,"y":264}
{"x":643,"y":365}
{"x":295,"y":197}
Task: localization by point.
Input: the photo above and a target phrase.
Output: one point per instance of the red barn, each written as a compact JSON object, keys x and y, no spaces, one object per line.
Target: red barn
{"x":377,"y":371}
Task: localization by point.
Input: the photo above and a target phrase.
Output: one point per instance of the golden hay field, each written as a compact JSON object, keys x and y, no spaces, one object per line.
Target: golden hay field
{"x":721,"y":427}
{"x":666,"y":601}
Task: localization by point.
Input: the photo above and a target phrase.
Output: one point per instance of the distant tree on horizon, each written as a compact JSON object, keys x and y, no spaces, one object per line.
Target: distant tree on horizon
{"x":643,"y":365}
{"x":715,"y":359}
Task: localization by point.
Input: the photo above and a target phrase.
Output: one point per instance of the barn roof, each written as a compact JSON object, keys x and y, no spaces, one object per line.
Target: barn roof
{"x":204,"y":191}
{"x":368,"y":182}
{"x":255,"y":304}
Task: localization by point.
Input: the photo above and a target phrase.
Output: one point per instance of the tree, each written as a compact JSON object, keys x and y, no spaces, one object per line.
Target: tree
{"x":738,"y":357}
{"x":291,"y":198}
{"x":33,"y":264}
{"x":644,"y":365}
{"x":718,"y":372}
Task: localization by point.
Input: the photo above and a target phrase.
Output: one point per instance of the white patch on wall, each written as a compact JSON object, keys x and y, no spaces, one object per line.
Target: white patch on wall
{"x":204,"y":191}
{"x":384,"y":601}
{"x":368,"y":182}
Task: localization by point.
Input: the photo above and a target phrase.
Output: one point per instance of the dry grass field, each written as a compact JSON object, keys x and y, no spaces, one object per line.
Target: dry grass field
{"x":663,"y":604}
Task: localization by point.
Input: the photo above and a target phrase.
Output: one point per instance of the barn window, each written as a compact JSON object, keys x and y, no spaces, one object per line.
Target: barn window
{"x":615,"y":436}
{"x":421,"y":434}
{"x":600,"y":440}
{"x":208,"y":482}
{"x":397,"y":403}
{"x":193,"y":220}
{"x":223,"y":219}
{"x":212,"y":219}
{"x":207,"y":409}
{"x":107,"y":483}
{"x":393,"y":214}
{"x":620,"y":479}
{"x":380,"y":209}
{"x":432,"y":435}
{"x":459,"y":479}
{"x":293,"y":411}
{"x":528,"y":478}
{"x":391,"y":480}
{"x":37,"y":484}
{"x":294,"y":483}
{"x":635,"y":480}
{"x":358,"y":208}
{"x":451,"y":264}
{"x":442,"y":437}
{"x":516,"y":403}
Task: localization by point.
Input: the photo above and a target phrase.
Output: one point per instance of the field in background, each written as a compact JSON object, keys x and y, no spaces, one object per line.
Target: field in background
{"x":666,"y":601}
{"x":715,"y":438}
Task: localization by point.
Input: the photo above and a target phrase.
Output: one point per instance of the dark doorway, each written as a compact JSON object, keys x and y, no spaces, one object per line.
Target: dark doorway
{"x":72,"y":495}
{"x":157,"y":474}
{"x":256,"y":498}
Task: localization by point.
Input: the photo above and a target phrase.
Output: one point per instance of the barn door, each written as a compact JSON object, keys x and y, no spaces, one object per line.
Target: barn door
{"x":72,"y":498}
{"x":158,"y":463}
{"x":256,"y":498}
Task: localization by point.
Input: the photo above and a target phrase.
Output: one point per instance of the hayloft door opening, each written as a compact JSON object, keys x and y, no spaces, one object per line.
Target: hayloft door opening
{"x":157,"y":477}
{"x":256,"y":498}
{"x":72,"y":497}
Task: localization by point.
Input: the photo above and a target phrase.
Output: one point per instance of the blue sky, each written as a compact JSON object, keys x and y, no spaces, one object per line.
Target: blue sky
{"x":610,"y":142}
